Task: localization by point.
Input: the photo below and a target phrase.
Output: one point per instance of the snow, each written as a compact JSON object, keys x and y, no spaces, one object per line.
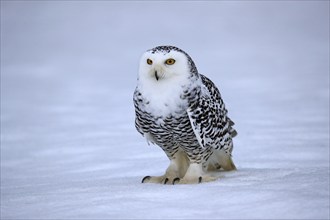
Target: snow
{"x":69,"y":148}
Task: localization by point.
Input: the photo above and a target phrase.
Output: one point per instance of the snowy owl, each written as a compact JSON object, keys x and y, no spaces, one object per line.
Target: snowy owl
{"x":182,"y":111}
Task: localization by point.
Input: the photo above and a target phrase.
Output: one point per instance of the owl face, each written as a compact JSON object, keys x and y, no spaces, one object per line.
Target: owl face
{"x":163,"y":65}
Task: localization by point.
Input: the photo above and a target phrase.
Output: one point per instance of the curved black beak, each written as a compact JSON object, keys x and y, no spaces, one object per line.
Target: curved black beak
{"x":156,"y":75}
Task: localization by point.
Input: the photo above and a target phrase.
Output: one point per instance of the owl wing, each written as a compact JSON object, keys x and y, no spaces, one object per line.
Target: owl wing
{"x":209,"y":120}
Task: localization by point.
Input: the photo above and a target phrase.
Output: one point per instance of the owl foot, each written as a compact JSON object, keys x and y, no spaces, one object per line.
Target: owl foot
{"x":159,"y":179}
{"x":177,"y":169}
{"x":201,"y":179}
{"x":194,"y":175}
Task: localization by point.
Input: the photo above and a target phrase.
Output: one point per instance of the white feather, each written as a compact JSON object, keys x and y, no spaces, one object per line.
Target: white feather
{"x":163,"y":94}
{"x":194,"y":128}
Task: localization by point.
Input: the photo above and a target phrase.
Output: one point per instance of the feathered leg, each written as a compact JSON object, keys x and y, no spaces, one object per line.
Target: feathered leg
{"x":179,"y":163}
{"x":195,"y":172}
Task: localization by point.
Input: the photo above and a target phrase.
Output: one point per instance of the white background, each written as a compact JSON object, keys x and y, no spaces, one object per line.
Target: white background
{"x":69,"y":148}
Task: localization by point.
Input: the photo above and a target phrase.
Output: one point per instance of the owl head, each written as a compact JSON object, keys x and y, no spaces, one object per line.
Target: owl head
{"x":165,"y":63}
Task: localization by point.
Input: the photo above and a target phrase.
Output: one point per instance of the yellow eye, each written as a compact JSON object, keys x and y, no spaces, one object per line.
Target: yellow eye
{"x":170,"y":61}
{"x":149,"y":61}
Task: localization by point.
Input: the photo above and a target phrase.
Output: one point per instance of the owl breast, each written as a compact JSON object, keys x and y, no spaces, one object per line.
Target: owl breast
{"x":163,"y":117}
{"x":173,"y":129}
{"x":162,"y":99}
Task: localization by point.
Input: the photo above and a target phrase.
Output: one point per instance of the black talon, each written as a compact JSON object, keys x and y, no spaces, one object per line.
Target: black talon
{"x":200,"y":179}
{"x":165,"y":181}
{"x":146,"y":178}
{"x":175,"y":179}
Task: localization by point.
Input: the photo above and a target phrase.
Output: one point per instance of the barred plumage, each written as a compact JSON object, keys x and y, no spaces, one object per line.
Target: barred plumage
{"x":182,"y":111}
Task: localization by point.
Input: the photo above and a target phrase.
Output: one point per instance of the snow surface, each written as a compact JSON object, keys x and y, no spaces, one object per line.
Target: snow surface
{"x":69,"y":148}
